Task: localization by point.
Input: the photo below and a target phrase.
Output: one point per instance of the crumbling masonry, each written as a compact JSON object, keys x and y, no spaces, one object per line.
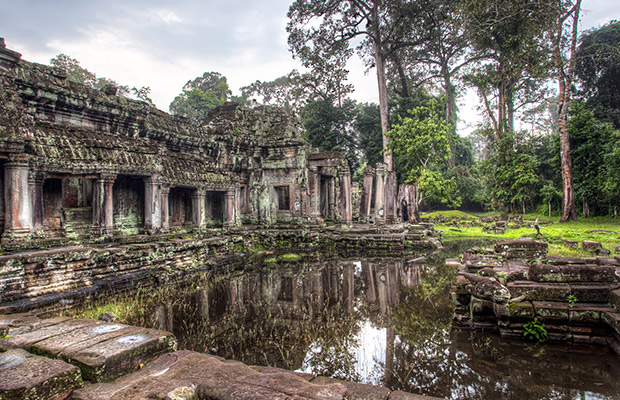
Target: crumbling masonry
{"x":79,"y":162}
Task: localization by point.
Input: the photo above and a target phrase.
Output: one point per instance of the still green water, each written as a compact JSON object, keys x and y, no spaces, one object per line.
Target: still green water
{"x":372,"y":320}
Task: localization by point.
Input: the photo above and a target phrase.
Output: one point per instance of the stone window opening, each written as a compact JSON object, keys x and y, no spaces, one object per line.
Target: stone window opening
{"x":283,"y":198}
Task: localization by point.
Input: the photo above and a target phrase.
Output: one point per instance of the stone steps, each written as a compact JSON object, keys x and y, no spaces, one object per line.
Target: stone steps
{"x":103,"y":351}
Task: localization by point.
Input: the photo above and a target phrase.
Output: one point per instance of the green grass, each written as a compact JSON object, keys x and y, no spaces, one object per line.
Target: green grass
{"x":553,"y":232}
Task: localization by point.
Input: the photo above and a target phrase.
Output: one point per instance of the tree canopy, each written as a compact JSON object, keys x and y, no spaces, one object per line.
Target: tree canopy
{"x":200,"y":96}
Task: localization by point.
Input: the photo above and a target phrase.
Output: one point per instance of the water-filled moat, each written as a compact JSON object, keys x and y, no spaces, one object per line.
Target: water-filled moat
{"x":367,"y":319}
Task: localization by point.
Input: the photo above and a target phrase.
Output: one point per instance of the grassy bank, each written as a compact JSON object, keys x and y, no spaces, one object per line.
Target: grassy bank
{"x":458,"y":224}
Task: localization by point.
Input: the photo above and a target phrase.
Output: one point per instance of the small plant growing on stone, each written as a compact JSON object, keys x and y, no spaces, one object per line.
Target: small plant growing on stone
{"x":572,"y":299}
{"x":503,"y":275}
{"x":535,"y":330}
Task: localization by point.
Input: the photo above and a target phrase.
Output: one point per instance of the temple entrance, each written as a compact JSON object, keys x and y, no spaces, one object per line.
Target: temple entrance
{"x":180,"y":206}
{"x":128,"y":200}
{"x":327,"y":197}
{"x":214,"y":208}
{"x":52,"y":205}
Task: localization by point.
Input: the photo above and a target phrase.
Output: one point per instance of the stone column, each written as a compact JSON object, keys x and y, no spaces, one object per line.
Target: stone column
{"x":152,"y":204}
{"x":345,"y":197}
{"x":366,"y":202}
{"x":391,"y":195}
{"x":36,"y":187}
{"x":314,"y":192}
{"x":165,"y":210}
{"x":18,"y":204}
{"x":379,"y":194}
{"x":108,"y":205}
{"x":230,"y":209}
{"x":198,"y":207}
{"x":331,"y":202}
{"x":103,"y":207}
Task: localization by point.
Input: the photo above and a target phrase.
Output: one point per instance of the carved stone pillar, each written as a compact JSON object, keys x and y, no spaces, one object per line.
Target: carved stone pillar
{"x":331,"y":197}
{"x":379,"y":194}
{"x":152,"y":204}
{"x":230,"y":211}
{"x":198,"y":207}
{"x":314,"y":192}
{"x":346,"y":208}
{"x":103,"y":205}
{"x":389,"y":202}
{"x":18,"y":211}
{"x":366,"y":202}
{"x":165,"y":211}
{"x":108,"y":205}
{"x":36,"y":188}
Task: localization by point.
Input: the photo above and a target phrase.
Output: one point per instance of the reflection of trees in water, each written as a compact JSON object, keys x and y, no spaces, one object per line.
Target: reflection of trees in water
{"x":313,"y":314}
{"x":431,"y":358}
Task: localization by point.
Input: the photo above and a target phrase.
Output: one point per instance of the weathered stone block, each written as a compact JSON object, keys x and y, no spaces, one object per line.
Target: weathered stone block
{"x":26,"y":376}
{"x":592,"y":292}
{"x":591,"y":246}
{"x":535,"y":291}
{"x":197,"y":374}
{"x":522,"y":309}
{"x":552,"y":311}
{"x":521,"y":249}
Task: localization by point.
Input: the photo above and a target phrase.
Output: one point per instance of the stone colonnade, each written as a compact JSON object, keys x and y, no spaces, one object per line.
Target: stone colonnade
{"x":24,"y":202}
{"x":386,"y":195}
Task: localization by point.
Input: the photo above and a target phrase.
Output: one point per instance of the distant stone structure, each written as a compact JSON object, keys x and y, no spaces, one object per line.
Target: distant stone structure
{"x":79,"y":162}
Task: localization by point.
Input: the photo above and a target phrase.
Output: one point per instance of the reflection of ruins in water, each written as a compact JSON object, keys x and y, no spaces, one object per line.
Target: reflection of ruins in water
{"x":376,"y":321}
{"x":300,"y":307}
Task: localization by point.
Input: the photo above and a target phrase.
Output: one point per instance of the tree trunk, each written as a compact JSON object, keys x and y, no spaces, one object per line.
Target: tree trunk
{"x":384,"y":111}
{"x":450,"y":110}
{"x":569,"y":210}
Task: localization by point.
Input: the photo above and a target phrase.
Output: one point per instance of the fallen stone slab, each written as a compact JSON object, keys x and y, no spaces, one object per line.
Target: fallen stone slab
{"x":538,"y":291}
{"x":27,"y":376}
{"x":24,"y":340}
{"x":184,"y":374}
{"x":557,"y":260}
{"x":573,"y":273}
{"x":103,"y":351}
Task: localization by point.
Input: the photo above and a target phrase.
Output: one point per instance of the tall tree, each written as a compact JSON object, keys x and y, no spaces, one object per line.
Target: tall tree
{"x":598,"y":71}
{"x":439,"y":58}
{"x":564,"y":42}
{"x":508,"y":37}
{"x":76,"y":73}
{"x":321,"y":30}
{"x":201,"y":95}
{"x":329,"y":128}
{"x":295,"y":90}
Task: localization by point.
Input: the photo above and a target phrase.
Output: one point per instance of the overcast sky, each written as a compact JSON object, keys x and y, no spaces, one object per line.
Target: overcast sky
{"x":163,"y":44}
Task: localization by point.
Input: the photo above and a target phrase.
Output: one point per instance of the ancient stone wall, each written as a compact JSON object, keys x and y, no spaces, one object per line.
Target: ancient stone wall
{"x":70,"y":154}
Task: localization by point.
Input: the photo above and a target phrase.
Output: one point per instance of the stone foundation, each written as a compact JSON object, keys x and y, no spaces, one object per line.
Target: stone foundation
{"x":505,"y":288}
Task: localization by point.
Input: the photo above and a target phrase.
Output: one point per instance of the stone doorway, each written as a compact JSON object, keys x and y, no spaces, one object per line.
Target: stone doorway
{"x":180,"y":206}
{"x":128,"y":203}
{"x":52,"y":205}
{"x":214,"y":208}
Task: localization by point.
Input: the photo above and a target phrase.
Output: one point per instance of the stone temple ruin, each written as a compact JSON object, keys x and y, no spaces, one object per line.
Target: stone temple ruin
{"x":79,"y":162}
